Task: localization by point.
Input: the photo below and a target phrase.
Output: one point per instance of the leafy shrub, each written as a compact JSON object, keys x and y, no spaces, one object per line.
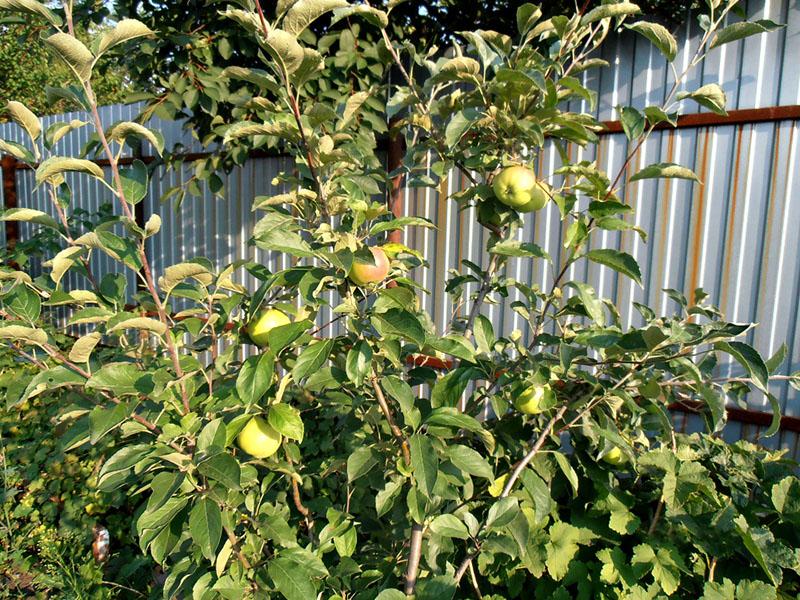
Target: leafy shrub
{"x":275,"y":454}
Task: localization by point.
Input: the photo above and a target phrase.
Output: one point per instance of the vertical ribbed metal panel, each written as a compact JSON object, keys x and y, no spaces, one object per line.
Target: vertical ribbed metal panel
{"x":736,"y":235}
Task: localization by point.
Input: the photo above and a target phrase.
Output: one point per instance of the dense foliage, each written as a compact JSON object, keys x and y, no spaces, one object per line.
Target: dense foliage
{"x":277,"y":455}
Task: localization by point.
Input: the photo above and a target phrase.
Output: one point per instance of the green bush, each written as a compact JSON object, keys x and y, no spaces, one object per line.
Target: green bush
{"x":273,"y":455}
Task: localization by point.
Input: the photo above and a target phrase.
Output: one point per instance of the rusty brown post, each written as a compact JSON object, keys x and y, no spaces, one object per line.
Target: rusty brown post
{"x":395,"y":150}
{"x":9,"y":166}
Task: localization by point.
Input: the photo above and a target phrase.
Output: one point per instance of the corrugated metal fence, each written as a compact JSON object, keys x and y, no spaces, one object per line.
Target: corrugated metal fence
{"x":737,"y":235}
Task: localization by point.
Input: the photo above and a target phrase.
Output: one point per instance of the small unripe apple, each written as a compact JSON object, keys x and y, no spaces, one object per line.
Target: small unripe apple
{"x":534,"y":399}
{"x":259,"y":439}
{"x":266,"y":321}
{"x":363,"y":273}
{"x":615,"y":456}
{"x":517,"y":187}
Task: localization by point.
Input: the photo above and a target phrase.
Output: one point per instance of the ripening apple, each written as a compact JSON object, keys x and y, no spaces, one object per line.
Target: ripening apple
{"x":534,"y":399}
{"x":266,"y":321}
{"x":258,"y":438}
{"x":517,"y":187}
{"x":615,"y":456}
{"x":363,"y":273}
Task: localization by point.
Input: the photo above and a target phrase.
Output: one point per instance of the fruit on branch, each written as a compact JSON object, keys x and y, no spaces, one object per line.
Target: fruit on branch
{"x":363,"y":273}
{"x":534,"y":399}
{"x":266,"y":321}
{"x":259,"y":439}
{"x":517,"y":187}
{"x":615,"y":456}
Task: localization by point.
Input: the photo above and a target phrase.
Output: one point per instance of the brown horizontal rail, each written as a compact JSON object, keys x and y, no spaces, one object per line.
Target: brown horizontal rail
{"x":708,"y":119}
{"x":741,"y":415}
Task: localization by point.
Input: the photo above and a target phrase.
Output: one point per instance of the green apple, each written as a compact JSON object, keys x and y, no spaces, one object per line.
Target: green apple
{"x":534,"y":399}
{"x":259,"y":439}
{"x":615,"y":456}
{"x":517,"y":187}
{"x":266,"y":321}
{"x":363,"y":273}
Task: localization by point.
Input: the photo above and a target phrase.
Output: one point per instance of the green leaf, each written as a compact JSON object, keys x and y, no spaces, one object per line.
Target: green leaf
{"x":502,"y":512}
{"x":121,"y":131}
{"x":744,"y":29}
{"x":222,"y":468}
{"x":402,"y":393}
{"x":18,"y":333}
{"x":398,"y":323}
{"x":569,"y":472}
{"x":665,"y":565}
{"x":286,"y":420}
{"x":608,"y":11}
{"x":561,"y":548}
{"x":124,"y":31}
{"x":449,"y":526}
{"x":140,"y":324}
{"x":304,"y":12}
{"x":621,"y":262}
{"x":25,"y":118}
{"x":29,"y":215}
{"x":424,"y":463}
{"x":18,"y":151}
{"x":50,"y":379}
{"x":284,"y":49}
{"x":361,"y":462}
{"x":358,"y":363}
{"x":102,"y":420}
{"x":23,"y":302}
{"x":458,"y":125}
{"x":776,"y":360}
{"x":400,"y":223}
{"x":520,"y":249}
{"x":134,"y":182}
{"x":311,"y":359}
{"x":659,"y":36}
{"x":121,"y":379}
{"x":664,"y":170}
{"x":31,"y":7}
{"x":750,"y":359}
{"x":213,"y":434}
{"x":205,"y":525}
{"x":74,"y":54}
{"x":54,"y":168}
{"x":82,"y":349}
{"x":293,"y":580}
{"x":469,"y":461}
{"x":454,"y":345}
{"x":255,"y":377}
{"x":711,"y":95}
{"x":593,"y":304}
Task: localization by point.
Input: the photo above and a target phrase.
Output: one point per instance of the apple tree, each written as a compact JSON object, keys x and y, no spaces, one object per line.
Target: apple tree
{"x":374,"y":456}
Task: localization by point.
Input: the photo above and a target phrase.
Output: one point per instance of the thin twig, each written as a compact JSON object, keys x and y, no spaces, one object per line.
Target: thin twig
{"x":387,"y":412}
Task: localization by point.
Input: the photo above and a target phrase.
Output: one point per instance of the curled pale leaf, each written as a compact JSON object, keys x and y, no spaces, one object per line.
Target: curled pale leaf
{"x":57,"y":131}
{"x":19,"y":333}
{"x":125,"y":30}
{"x":74,"y":54}
{"x":25,"y":118}
{"x":142,"y":324}
{"x":16,"y":150}
{"x":29,"y":215}
{"x":177,"y":273}
{"x":120,"y":131}
{"x":305,"y":12}
{"x":63,"y":262}
{"x":53,"y":168}
{"x":153,"y":225}
{"x":284,"y":48}
{"x":82,"y":349}
{"x":31,"y":7}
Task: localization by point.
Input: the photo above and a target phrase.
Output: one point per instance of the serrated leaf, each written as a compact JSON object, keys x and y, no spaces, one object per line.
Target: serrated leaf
{"x":311,"y":359}
{"x":469,"y":461}
{"x":424,"y":463}
{"x":25,"y":117}
{"x":31,"y":7}
{"x":738,"y":31}
{"x":304,"y":12}
{"x":659,"y":36}
{"x":121,"y":379}
{"x":286,"y":420}
{"x":29,"y":215}
{"x":361,"y":462}
{"x":284,"y":48}
{"x":750,"y":359}
{"x":124,"y":31}
{"x":255,"y":377}
{"x":449,"y":526}
{"x":82,"y":349}
{"x":292,"y":579}
{"x":621,"y":262}
{"x":56,"y":166}
{"x":711,"y":95}
{"x":664,"y":170}
{"x":222,"y":468}
{"x":74,"y":54}
{"x":141,"y":324}
{"x":205,"y":525}
{"x":103,"y":420}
